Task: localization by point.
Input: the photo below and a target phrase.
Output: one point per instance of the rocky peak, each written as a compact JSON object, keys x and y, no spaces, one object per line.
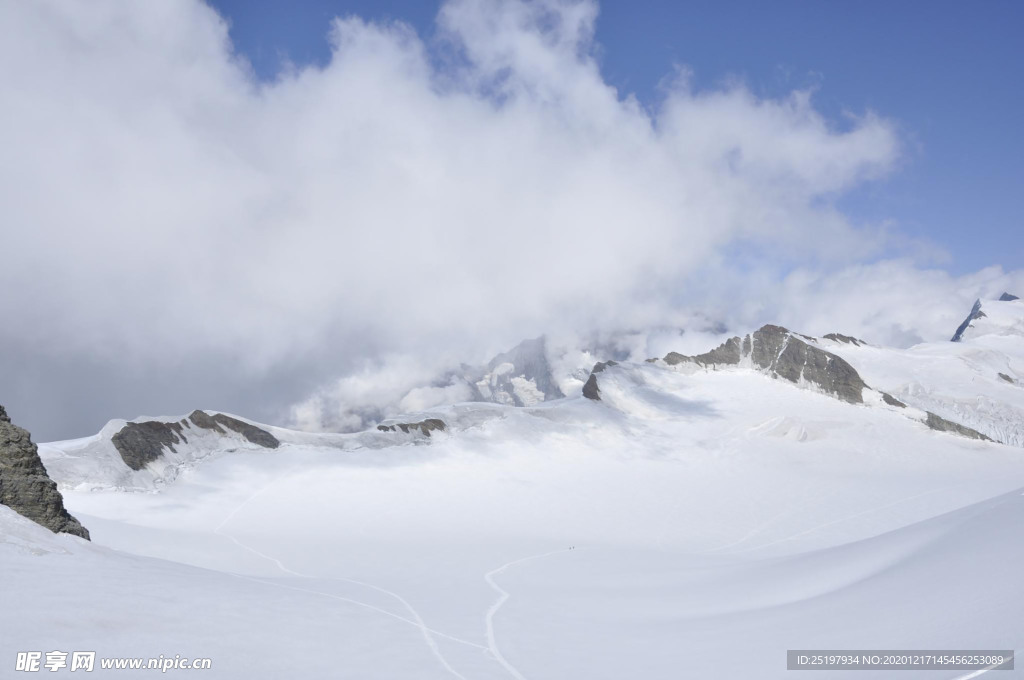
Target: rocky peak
{"x":144,"y":442}
{"x":845,"y":339}
{"x":1002,"y":316}
{"x":783,"y":354}
{"x":25,"y":487}
{"x":591,"y":390}
{"x":975,"y":314}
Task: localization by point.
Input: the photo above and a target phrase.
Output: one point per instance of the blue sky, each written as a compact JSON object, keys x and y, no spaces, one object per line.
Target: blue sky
{"x":949,"y":74}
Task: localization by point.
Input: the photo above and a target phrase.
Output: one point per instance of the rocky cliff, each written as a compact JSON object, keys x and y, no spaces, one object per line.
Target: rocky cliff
{"x":25,"y":487}
{"x":786,"y":355}
{"x":142,"y":443}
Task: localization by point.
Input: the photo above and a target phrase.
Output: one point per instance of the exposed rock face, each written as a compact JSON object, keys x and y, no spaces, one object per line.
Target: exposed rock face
{"x":591,"y":389}
{"x":1003,"y":316}
{"x":24,"y":485}
{"x":839,"y":337}
{"x":424,"y":426}
{"x":250,"y":432}
{"x":728,"y":353}
{"x":786,"y":355}
{"x":976,"y":313}
{"x":797,"y":360}
{"x":892,"y":401}
{"x":142,"y":443}
{"x":943,"y":425}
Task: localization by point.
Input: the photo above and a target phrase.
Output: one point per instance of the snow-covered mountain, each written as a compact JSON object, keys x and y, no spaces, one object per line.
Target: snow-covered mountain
{"x":780,"y":489}
{"x":1004,"y":316}
{"x":148,"y":453}
{"x":519,"y":377}
{"x":977,"y":380}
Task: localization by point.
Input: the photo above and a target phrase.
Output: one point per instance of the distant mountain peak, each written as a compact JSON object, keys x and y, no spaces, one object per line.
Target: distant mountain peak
{"x":519,"y":377}
{"x":1004,"y":316}
{"x":142,"y":443}
{"x":975,"y":314}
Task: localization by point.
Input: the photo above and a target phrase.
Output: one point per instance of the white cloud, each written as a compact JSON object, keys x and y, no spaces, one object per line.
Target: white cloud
{"x":159,"y":204}
{"x":888,"y":303}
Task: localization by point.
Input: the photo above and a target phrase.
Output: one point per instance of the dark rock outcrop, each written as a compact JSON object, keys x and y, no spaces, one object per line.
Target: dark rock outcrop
{"x":786,"y":355}
{"x":942,"y":425}
{"x":976,"y":313}
{"x":142,"y":443}
{"x":250,"y":432}
{"x":25,"y":487}
{"x":892,"y":401}
{"x":847,"y":339}
{"x":424,"y":426}
{"x":590,"y":388}
{"x":728,"y":353}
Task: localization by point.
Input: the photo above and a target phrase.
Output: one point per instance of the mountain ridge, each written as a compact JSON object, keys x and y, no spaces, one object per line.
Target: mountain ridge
{"x":942,"y":395}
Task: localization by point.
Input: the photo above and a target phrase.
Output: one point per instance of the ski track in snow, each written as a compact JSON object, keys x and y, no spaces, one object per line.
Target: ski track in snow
{"x":503,"y":595}
{"x":833,"y":522}
{"x":416,"y":620}
{"x":752,"y":533}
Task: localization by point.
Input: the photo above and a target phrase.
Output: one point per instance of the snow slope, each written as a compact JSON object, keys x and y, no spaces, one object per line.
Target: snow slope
{"x":686,"y":525}
{"x":977,"y":381}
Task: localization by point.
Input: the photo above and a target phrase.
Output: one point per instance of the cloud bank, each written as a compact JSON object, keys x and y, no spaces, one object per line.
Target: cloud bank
{"x":165,"y":211}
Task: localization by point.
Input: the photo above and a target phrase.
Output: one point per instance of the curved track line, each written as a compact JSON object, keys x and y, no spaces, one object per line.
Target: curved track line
{"x":759,"y":529}
{"x":416,"y":621}
{"x":427,"y":632}
{"x":503,"y":595}
{"x":836,"y":521}
{"x":358,"y":603}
